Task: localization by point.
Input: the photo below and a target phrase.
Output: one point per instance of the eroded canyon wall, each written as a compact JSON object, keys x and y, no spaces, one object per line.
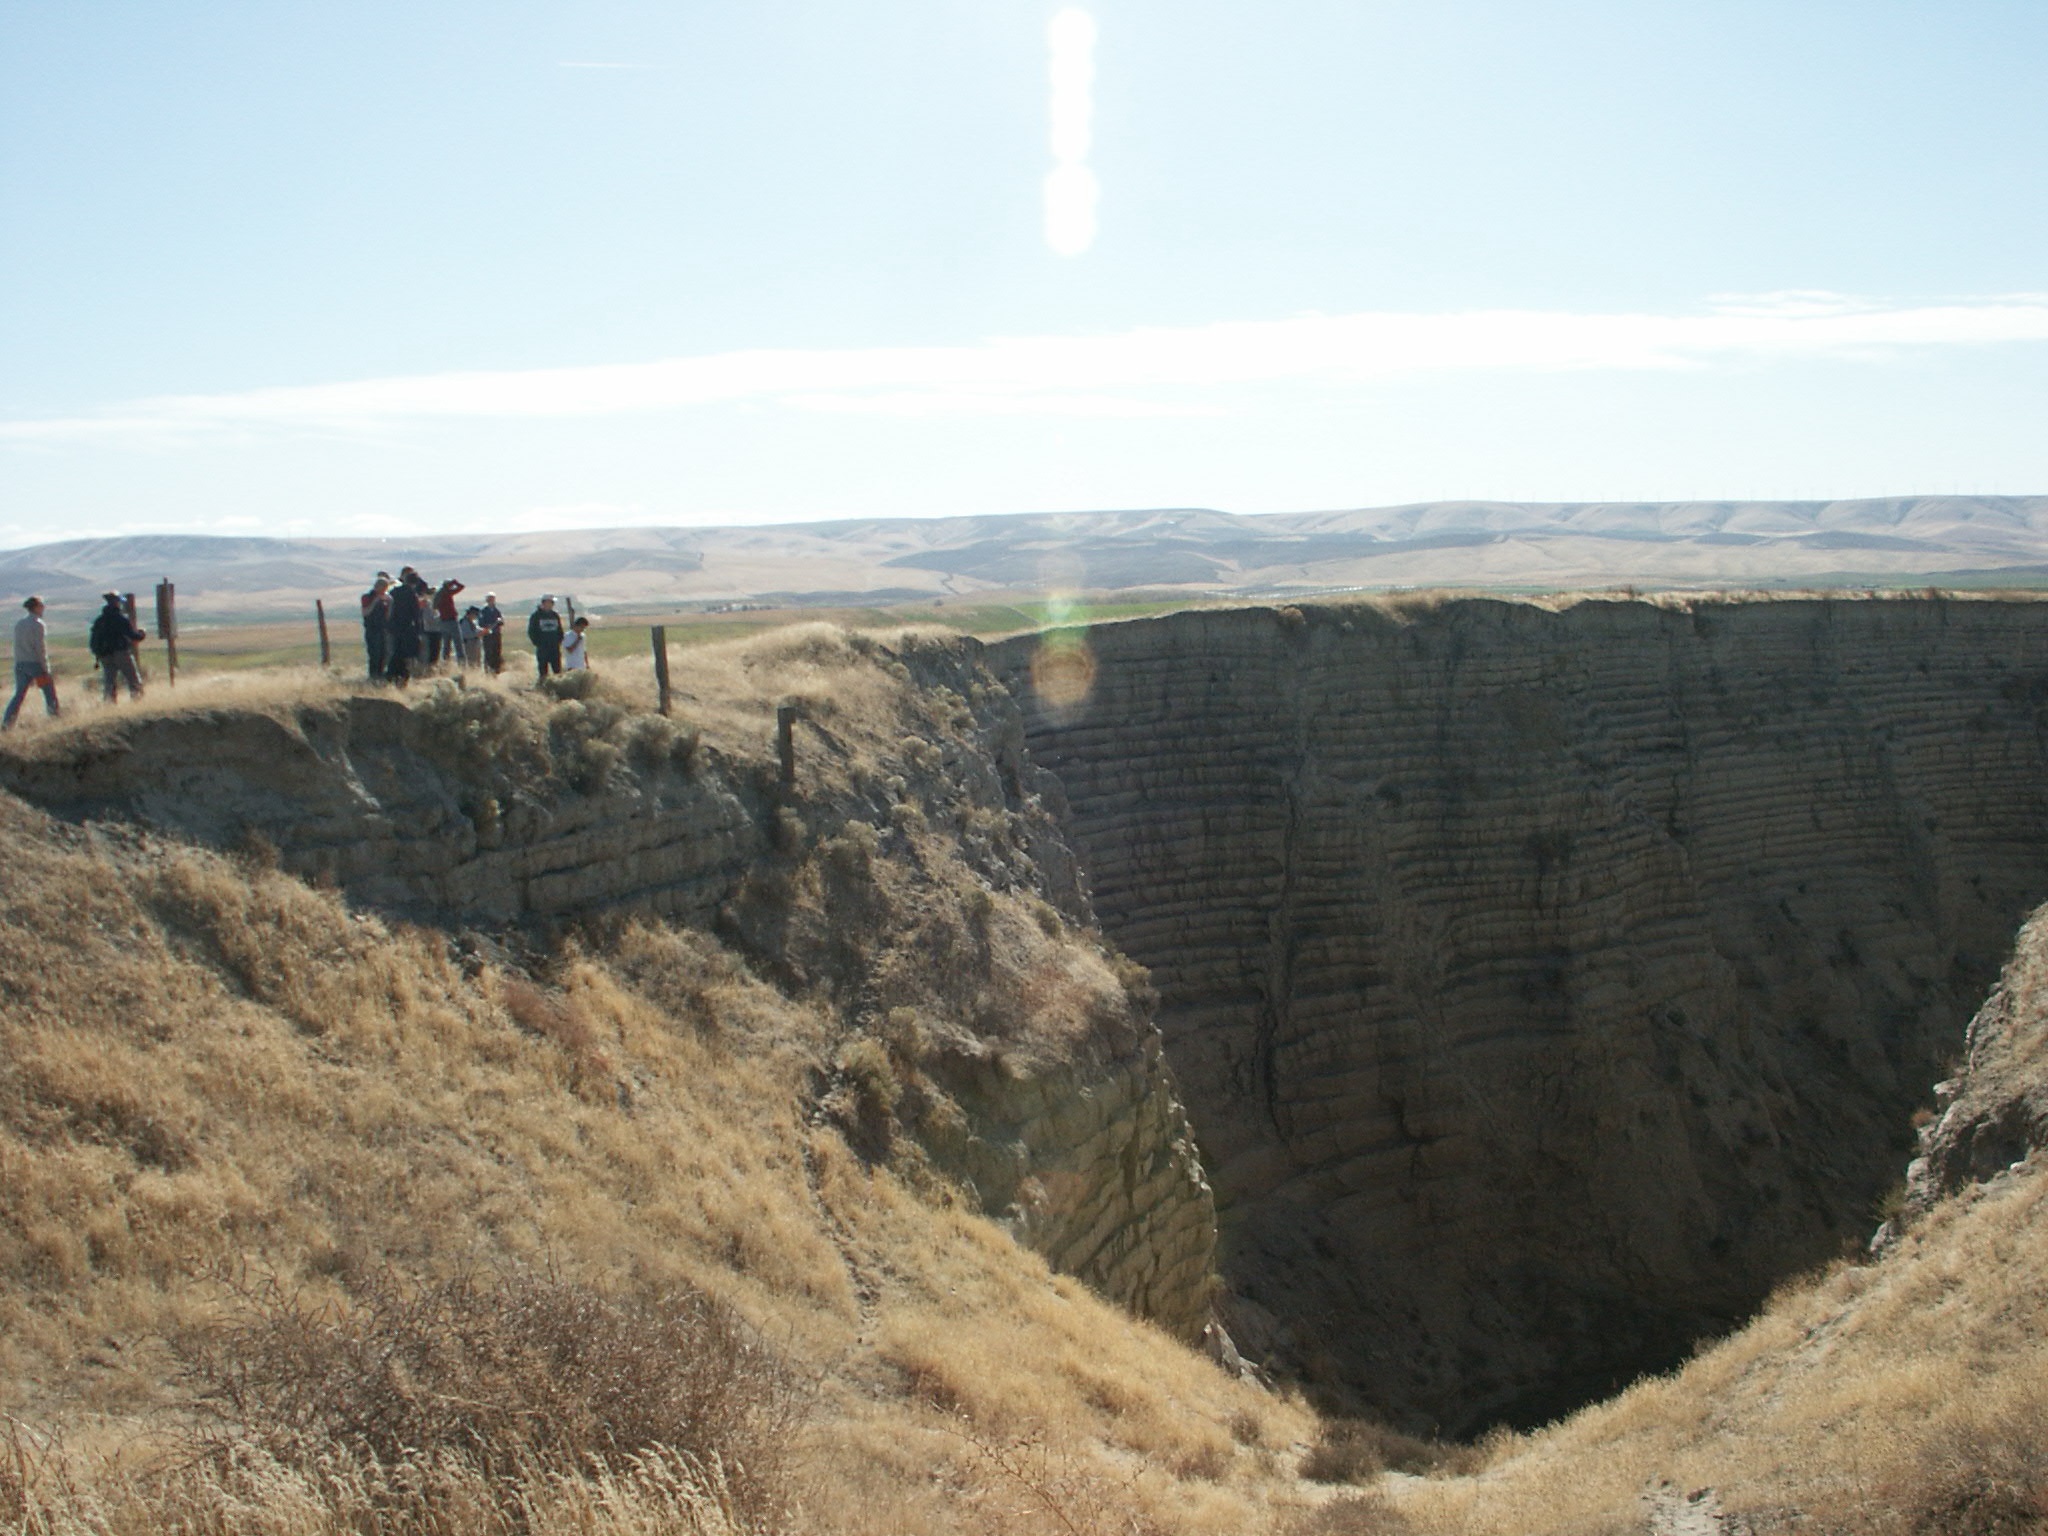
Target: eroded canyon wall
{"x":1545,"y":985}
{"x":910,"y":888}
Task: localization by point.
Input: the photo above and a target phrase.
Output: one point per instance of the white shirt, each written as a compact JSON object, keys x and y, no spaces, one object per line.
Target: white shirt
{"x":575,"y":657}
{"x":31,"y":647}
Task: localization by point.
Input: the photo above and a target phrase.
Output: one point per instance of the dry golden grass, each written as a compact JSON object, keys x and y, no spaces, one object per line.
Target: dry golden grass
{"x":214,"y":1078}
{"x":264,"y":688}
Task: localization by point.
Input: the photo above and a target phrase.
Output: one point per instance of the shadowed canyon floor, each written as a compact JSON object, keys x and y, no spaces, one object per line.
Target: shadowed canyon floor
{"x":1547,"y":985}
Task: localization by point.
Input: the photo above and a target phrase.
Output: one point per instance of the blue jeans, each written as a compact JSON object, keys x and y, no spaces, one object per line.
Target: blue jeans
{"x":26,"y":676}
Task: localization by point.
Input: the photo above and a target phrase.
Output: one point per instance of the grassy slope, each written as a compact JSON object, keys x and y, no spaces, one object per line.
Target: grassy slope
{"x":213,"y":1075}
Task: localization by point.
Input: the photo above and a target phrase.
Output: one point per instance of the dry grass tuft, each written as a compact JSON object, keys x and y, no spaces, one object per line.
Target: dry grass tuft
{"x":246,"y":1492}
{"x":514,"y":1375}
{"x":1359,"y":1450}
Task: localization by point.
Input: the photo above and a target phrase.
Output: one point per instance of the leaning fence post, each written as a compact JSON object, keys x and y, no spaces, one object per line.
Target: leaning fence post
{"x":167,"y":625}
{"x":320,"y":613}
{"x":660,"y":636}
{"x":128,"y":607}
{"x":785,"y":743}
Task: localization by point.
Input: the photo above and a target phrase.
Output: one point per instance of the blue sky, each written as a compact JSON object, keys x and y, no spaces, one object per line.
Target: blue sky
{"x":288,"y":268}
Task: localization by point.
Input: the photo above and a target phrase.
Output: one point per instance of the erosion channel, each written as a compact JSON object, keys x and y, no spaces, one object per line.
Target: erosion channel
{"x":1545,"y":986}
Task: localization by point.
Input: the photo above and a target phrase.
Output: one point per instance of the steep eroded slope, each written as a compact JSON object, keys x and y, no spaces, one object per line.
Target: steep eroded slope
{"x":1546,"y":985}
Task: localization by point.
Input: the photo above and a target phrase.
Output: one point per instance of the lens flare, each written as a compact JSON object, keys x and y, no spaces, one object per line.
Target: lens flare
{"x":1063,"y":672}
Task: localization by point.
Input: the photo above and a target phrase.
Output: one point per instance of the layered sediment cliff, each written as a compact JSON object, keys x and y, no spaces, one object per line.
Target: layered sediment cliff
{"x":911,"y":886}
{"x":1545,"y":985}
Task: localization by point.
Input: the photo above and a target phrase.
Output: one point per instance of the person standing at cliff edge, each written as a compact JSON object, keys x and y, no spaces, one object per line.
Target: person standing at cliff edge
{"x":113,"y":640}
{"x":444,"y":637}
{"x":576,"y":646}
{"x":402,"y":628}
{"x":490,"y":623}
{"x":544,"y":629}
{"x":31,"y":663}
{"x":376,"y":620}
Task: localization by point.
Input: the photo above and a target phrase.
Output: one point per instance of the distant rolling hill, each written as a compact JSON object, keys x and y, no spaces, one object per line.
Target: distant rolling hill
{"x":1888,"y":541}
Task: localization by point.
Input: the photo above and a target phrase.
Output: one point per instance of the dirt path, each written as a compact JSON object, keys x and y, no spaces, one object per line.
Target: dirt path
{"x":1698,"y":1513}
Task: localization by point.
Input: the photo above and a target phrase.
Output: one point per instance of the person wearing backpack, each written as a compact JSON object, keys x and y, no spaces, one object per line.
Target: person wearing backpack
{"x":113,"y":640}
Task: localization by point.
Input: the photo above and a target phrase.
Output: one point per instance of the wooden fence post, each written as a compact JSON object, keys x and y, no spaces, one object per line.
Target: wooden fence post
{"x":660,"y":637}
{"x":785,"y":743}
{"x":320,"y":614}
{"x":128,"y":607}
{"x":167,"y":625}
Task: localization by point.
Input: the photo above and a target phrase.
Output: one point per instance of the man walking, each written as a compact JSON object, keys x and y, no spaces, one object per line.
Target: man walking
{"x":544,"y":629}
{"x":31,"y":663}
{"x":113,"y":641}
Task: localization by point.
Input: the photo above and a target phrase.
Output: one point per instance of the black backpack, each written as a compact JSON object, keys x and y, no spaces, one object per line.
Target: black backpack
{"x":110,"y":634}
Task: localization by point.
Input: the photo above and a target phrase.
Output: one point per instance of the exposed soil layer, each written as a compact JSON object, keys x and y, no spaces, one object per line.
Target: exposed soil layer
{"x":1546,"y":986}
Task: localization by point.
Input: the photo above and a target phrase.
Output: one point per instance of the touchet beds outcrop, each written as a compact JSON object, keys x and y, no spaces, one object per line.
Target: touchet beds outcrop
{"x":1546,"y":985}
{"x":1542,"y":986}
{"x":911,"y":885}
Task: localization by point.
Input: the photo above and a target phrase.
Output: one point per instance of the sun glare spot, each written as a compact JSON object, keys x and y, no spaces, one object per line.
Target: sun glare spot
{"x":1063,"y":672}
{"x":1071,"y":191}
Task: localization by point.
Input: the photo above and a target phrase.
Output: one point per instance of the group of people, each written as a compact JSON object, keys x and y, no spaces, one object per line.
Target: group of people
{"x":411,"y":625}
{"x":408,"y":626}
{"x":113,"y":638}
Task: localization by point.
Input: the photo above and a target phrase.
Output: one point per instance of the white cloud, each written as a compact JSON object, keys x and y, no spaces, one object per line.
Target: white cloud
{"x":1150,"y":371}
{"x":975,"y":402}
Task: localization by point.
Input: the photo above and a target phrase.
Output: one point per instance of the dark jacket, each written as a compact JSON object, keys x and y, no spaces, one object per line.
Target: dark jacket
{"x":403,"y":627}
{"x":112,"y":633}
{"x":544,"y":629}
